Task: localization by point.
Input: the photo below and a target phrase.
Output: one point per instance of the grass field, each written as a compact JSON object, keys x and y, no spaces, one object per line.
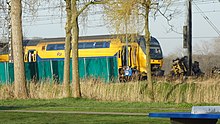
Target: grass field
{"x":85,"y":105}
{"x":10,"y":118}
{"x":72,"y":104}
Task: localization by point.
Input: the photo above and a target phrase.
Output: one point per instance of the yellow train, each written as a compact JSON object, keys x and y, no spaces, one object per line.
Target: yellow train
{"x":98,"y":46}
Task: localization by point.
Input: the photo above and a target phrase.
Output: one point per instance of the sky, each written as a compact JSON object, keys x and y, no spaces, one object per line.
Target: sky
{"x":51,"y":24}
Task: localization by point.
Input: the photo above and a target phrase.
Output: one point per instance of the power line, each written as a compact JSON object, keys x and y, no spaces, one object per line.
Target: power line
{"x":174,"y":3}
{"x":98,"y":13}
{"x":198,"y":37}
{"x":177,"y":2}
{"x":207,"y":19}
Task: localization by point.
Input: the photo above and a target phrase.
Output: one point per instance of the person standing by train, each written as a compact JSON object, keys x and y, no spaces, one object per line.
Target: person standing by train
{"x":128,"y":73}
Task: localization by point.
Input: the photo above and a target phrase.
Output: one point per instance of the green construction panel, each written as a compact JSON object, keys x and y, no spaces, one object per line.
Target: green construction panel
{"x":57,"y":67}
{"x":113,"y":68}
{"x":3,"y":73}
{"x":11,"y":72}
{"x":106,"y":74}
{"x":93,"y":67}
{"x":81,"y":67}
{"x":31,"y":71}
{"x":40,"y":72}
{"x":48,"y":70}
{"x":45,"y":70}
{"x":61,"y":71}
{"x":28,"y":71}
{"x":80,"y":62}
{"x":104,"y":68}
{"x":55,"y":70}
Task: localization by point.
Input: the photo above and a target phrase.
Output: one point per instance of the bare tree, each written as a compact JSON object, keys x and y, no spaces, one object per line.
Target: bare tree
{"x":75,"y":38}
{"x":19,"y":73}
{"x":146,"y":5}
{"x":120,"y":11}
{"x":74,"y":9}
{"x":204,"y":48}
{"x":66,"y":82}
{"x":216,"y":46}
{"x":136,"y":11}
{"x":207,"y":53}
{"x":17,"y":38}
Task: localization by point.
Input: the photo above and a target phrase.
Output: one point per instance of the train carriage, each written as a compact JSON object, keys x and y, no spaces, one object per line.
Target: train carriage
{"x":97,"y":47}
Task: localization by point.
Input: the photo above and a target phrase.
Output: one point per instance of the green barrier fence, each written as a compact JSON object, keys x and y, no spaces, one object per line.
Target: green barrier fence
{"x":104,"y":68}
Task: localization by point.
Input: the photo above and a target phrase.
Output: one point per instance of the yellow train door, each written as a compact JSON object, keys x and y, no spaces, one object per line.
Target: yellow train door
{"x":30,"y":56}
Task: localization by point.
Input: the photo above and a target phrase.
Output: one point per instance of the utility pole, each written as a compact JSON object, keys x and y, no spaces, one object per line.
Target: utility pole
{"x":9,"y":31}
{"x":189,"y":37}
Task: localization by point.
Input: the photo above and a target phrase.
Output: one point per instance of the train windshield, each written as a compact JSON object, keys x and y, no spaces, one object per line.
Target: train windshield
{"x":155,"y":52}
{"x":155,"y":49}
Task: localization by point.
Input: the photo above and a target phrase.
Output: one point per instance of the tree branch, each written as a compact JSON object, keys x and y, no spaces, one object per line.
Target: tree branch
{"x":168,"y":18}
{"x":89,"y":3}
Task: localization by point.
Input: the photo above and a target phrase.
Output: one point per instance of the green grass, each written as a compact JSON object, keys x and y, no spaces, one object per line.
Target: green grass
{"x":85,"y":105}
{"x":36,"y":118}
{"x":72,"y":104}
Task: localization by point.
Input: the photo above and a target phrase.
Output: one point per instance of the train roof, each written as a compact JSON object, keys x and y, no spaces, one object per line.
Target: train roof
{"x":30,"y":42}
{"x":138,"y":38}
{"x":95,"y":37}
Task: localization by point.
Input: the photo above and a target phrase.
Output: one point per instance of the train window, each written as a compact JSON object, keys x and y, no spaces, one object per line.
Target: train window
{"x":154,"y":43}
{"x":107,"y":44}
{"x":60,"y":47}
{"x":80,"y":45}
{"x":152,"y":51}
{"x":43,"y":47}
{"x":89,"y":45}
{"x":51,"y":47}
{"x":155,"y":50}
{"x":99,"y":45}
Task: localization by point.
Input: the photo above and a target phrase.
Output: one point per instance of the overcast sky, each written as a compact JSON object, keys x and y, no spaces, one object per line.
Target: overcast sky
{"x":51,"y":24}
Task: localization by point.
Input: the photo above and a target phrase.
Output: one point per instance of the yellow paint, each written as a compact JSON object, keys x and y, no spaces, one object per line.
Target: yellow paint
{"x":4,"y":58}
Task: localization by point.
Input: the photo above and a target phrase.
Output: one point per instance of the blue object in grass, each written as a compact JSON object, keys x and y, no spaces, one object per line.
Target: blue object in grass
{"x":187,"y":118}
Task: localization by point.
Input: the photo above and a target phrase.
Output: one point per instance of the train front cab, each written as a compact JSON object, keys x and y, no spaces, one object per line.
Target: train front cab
{"x":133,"y":62}
{"x":156,"y":57}
{"x":137,"y":57}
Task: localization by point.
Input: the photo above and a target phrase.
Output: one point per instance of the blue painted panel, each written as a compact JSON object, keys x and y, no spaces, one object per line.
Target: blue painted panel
{"x":184,"y":115}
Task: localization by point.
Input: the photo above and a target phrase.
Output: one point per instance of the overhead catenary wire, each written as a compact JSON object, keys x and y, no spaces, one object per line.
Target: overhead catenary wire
{"x":55,"y":17}
{"x":207,"y":19}
{"x":45,"y":18}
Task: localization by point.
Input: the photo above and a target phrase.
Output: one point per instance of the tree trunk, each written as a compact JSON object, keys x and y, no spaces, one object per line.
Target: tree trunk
{"x":148,"y":58}
{"x":19,"y":73}
{"x":66,"y":82}
{"x":75,"y":37}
